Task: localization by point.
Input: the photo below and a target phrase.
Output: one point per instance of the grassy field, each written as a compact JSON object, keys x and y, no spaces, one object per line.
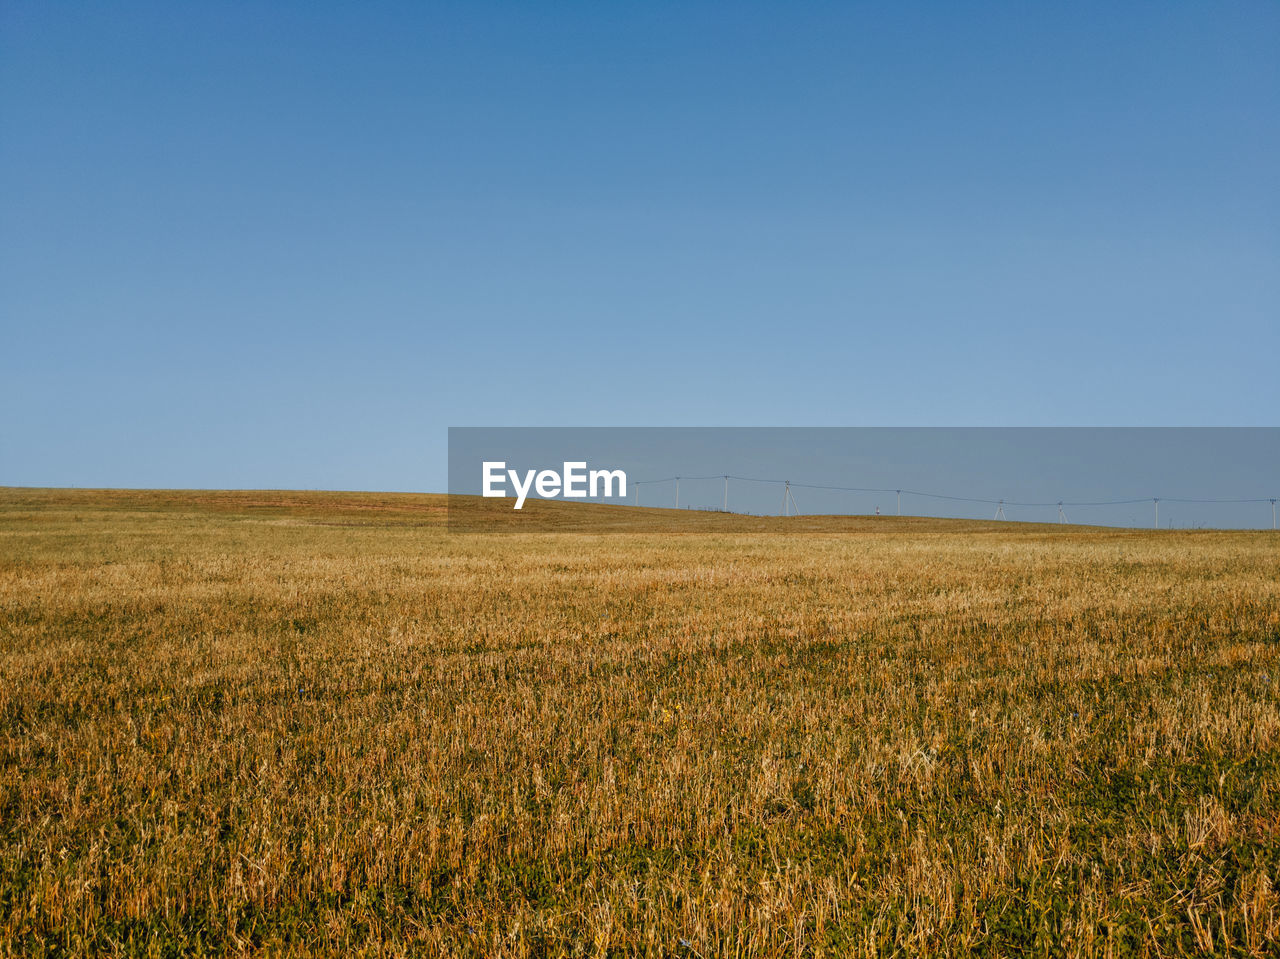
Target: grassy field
{"x":320,"y":723}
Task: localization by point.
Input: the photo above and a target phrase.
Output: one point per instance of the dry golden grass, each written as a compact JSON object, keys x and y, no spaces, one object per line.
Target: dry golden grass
{"x":319,"y":723}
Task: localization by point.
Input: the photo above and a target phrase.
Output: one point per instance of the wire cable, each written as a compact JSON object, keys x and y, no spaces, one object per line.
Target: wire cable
{"x":1016,"y":504}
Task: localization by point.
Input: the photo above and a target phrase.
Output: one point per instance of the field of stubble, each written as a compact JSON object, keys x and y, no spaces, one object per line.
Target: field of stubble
{"x":319,"y":723}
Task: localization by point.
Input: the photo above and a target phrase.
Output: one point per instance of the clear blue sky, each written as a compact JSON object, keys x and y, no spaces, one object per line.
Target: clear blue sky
{"x":287,"y":245}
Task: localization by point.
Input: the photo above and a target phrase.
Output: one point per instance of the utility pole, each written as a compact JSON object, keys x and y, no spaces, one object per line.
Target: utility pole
{"x":726,"y":494}
{"x":1273,"y":512}
{"x":677,"y":492}
{"x":1062,"y":517}
{"x":786,"y":495}
{"x":1156,"y":500}
{"x":899,"y":502}
{"x":1000,"y":510}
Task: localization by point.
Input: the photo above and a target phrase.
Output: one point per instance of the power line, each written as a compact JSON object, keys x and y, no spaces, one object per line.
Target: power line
{"x":1000,"y":504}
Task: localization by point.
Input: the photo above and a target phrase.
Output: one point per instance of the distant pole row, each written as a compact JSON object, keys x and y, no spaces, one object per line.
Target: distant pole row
{"x":789,"y":507}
